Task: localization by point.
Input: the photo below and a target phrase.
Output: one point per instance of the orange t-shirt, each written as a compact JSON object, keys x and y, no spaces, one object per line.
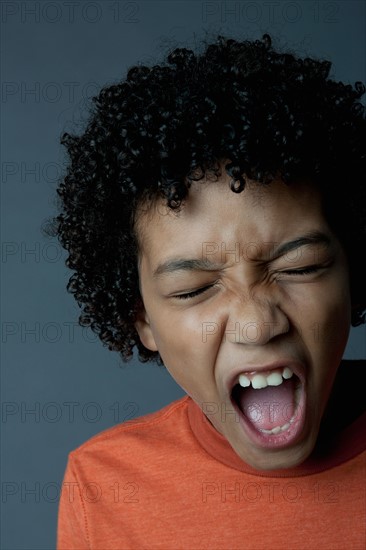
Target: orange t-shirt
{"x":169,"y":480}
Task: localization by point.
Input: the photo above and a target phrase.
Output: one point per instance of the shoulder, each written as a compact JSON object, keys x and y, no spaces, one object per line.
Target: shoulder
{"x":136,"y":440}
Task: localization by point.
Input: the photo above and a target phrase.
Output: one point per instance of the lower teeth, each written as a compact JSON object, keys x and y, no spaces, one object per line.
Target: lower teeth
{"x":278,"y":429}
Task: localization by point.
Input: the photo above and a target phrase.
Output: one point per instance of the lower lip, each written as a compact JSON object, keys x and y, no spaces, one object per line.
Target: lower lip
{"x":283,"y":439}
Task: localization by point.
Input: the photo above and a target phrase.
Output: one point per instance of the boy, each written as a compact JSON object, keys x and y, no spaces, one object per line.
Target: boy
{"x":214,"y":214}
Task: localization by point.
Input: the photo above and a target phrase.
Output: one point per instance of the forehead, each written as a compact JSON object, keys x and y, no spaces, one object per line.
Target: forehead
{"x":213,"y":212}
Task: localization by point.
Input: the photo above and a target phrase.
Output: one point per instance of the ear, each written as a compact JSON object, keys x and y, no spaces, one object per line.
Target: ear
{"x":143,"y":327}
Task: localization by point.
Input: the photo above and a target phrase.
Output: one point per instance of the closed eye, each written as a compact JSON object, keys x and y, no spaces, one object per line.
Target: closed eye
{"x":304,"y":271}
{"x":193,"y":293}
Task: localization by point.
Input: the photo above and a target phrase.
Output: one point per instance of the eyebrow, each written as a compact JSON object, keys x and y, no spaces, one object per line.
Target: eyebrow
{"x":194,"y":264}
{"x":313,"y":238}
{"x":203,"y":264}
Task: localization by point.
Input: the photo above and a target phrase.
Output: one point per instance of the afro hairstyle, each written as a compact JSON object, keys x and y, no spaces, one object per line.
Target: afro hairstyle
{"x":165,"y":126}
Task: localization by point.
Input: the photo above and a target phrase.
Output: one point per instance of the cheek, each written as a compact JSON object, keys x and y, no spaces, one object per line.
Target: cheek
{"x":324,"y":319}
{"x":323,"y":304}
{"x":187,"y":353}
{"x":186,"y":332}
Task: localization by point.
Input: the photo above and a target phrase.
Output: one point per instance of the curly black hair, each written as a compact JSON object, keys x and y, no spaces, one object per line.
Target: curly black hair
{"x":163,"y":127}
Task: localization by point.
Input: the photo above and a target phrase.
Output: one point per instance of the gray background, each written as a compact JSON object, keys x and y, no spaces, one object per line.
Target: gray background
{"x":59,"y":385}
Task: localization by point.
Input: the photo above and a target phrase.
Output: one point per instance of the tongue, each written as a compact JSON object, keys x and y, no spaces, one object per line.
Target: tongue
{"x":269,"y":407}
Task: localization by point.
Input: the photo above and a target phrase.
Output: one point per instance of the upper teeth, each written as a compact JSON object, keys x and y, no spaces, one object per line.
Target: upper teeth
{"x":258,"y":381}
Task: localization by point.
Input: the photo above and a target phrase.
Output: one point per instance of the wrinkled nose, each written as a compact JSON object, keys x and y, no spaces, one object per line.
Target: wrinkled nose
{"x":255,"y":320}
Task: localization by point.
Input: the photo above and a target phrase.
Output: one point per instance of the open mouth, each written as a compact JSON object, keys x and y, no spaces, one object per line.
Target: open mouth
{"x":271,"y":405}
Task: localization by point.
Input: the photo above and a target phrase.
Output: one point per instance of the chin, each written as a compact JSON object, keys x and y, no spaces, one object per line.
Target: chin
{"x":279,"y":459}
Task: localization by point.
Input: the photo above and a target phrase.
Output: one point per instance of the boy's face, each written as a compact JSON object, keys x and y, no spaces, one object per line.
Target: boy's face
{"x":251,"y":284}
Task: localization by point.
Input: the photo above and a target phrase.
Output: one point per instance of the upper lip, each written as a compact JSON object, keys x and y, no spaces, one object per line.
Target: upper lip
{"x":296,"y":366}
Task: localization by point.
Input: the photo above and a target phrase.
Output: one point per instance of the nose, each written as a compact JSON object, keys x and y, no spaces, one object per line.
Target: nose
{"x":255,"y":320}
